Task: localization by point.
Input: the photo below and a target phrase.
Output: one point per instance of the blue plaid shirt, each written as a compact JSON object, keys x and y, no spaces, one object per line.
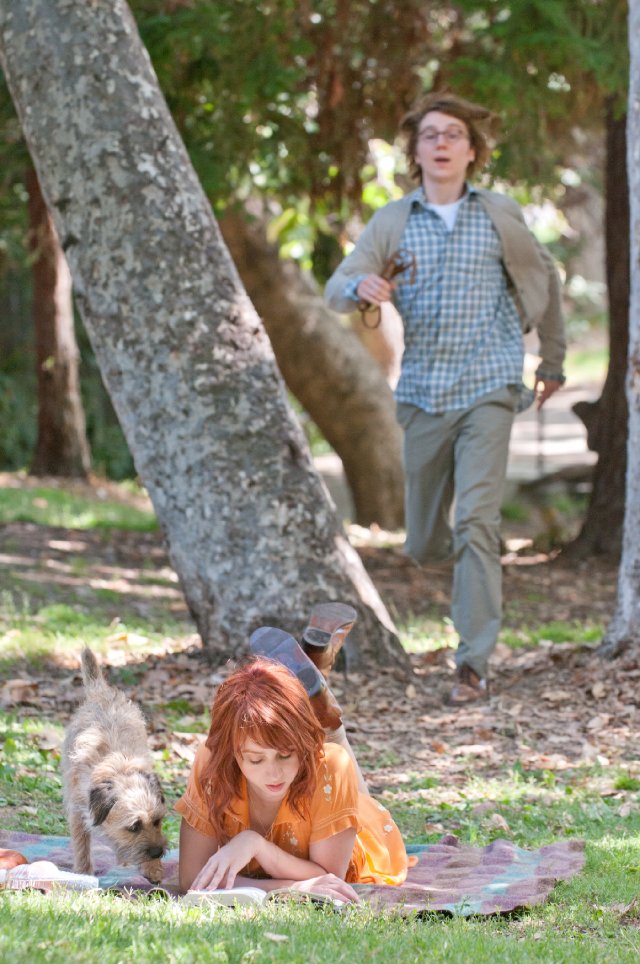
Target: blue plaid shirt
{"x":463,"y":337}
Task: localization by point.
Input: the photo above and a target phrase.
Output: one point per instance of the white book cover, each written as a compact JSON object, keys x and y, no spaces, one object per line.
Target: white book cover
{"x":43,"y":875}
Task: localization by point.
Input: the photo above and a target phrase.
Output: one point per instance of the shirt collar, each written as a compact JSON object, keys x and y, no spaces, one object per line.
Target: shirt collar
{"x":417,"y":197}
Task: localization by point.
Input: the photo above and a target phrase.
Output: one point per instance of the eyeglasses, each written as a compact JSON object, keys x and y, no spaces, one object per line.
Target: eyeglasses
{"x":451,"y":135}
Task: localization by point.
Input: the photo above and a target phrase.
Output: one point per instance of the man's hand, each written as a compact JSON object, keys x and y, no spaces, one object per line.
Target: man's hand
{"x":374,"y":289}
{"x":329,"y":885}
{"x":545,"y":387}
{"x":221,"y":870}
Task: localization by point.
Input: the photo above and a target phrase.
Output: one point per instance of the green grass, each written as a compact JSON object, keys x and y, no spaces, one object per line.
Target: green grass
{"x":557,"y":631}
{"x":37,"y":633}
{"x":431,"y":631}
{"x":583,"y":921}
{"x":56,"y":507}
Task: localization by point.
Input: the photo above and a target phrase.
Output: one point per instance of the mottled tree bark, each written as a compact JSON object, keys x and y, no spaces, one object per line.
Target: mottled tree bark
{"x":624,"y":629}
{"x":187,"y":363}
{"x":61,"y":448}
{"x":328,"y":370}
{"x":606,"y":420}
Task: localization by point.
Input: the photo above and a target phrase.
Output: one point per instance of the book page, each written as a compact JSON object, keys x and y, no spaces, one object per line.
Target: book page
{"x":247,"y":896}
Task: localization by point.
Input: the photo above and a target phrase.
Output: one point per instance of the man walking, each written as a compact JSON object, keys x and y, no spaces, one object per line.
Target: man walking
{"x":480,"y":280}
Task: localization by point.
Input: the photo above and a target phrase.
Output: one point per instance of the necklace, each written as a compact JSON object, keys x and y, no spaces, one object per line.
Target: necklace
{"x":258,"y":823}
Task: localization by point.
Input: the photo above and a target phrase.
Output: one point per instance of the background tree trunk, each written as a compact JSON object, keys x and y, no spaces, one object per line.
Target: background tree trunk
{"x":328,"y":370}
{"x":61,"y":448}
{"x":191,"y":373}
{"x":624,"y":629}
{"x":606,"y":420}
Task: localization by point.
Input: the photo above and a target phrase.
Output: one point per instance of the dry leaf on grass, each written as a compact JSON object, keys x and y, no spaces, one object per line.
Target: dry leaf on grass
{"x":497,"y":821}
{"x":17,"y":691}
{"x":557,"y":695}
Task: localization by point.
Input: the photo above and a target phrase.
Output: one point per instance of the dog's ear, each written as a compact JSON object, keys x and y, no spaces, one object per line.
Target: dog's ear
{"x":101,"y":800}
{"x":154,"y":783}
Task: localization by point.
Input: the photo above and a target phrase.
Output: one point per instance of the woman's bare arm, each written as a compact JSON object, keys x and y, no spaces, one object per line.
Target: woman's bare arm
{"x":223,"y":866}
{"x":195,"y":850}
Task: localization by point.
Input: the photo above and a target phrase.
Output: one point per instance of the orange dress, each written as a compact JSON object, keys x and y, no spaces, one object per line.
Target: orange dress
{"x":379,"y":855}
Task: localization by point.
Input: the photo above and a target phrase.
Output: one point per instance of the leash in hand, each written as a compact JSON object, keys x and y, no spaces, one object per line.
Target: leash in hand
{"x":400,"y":261}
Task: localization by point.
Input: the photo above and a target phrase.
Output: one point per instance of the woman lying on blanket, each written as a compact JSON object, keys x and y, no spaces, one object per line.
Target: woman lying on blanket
{"x":270,"y":804}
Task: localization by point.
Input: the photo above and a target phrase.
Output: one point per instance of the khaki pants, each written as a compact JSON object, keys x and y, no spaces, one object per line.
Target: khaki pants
{"x":459,"y":459}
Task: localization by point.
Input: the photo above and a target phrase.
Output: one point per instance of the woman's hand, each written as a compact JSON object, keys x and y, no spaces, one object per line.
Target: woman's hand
{"x":329,"y":885}
{"x":221,"y":870}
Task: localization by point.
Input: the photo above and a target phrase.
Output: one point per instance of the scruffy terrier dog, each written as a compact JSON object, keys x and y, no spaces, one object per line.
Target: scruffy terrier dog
{"x":108,"y":781}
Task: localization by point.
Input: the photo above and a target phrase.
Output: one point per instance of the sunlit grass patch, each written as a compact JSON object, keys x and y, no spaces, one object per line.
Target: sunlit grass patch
{"x":57,"y":507}
{"x":557,"y":631}
{"x":38,"y":633}
{"x":424,"y":634}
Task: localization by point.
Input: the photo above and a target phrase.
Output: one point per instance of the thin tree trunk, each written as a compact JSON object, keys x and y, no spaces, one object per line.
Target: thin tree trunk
{"x":61,"y":448}
{"x":328,"y":370}
{"x":182,"y":352}
{"x":624,"y":629}
{"x":606,"y":420}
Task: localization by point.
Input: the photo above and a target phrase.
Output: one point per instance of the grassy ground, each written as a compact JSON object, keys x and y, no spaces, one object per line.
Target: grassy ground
{"x":502,"y":772}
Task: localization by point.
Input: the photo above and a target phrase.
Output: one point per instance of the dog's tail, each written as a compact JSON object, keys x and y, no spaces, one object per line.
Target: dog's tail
{"x":91,"y":672}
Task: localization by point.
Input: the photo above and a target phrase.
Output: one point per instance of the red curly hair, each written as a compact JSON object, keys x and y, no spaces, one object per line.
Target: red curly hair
{"x":261,"y":701}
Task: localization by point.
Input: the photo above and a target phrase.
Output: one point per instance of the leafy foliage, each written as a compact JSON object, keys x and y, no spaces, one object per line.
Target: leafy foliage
{"x":284,"y":96}
{"x":548,"y":66}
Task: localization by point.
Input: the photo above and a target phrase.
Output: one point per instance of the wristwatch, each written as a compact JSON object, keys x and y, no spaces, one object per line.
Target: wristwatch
{"x":551,"y":376}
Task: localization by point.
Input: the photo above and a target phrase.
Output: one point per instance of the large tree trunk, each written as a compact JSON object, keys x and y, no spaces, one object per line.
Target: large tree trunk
{"x":61,"y":448}
{"x":624,"y":629}
{"x":328,"y":370}
{"x":606,"y":420}
{"x":190,"y":370}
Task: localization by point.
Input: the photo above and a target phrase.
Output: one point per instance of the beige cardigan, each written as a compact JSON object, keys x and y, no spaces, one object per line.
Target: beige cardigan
{"x":533,"y":278}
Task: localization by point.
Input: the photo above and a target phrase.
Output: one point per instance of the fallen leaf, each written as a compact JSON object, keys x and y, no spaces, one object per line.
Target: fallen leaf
{"x":597,"y":722}
{"x":18,"y":691}
{"x":599,"y":690}
{"x":433,"y":827}
{"x":410,"y":692}
{"x":438,"y":746}
{"x":497,"y":821}
{"x":49,"y":739}
{"x":481,"y":808}
{"x":556,"y":695}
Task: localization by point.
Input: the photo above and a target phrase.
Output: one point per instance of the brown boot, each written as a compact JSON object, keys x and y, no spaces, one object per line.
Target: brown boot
{"x":468,"y":688}
{"x":329,"y":626}
{"x":280,"y":646}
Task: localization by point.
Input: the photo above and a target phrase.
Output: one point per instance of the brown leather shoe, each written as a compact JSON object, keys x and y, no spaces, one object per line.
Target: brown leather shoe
{"x":329,"y":626}
{"x":468,"y":688}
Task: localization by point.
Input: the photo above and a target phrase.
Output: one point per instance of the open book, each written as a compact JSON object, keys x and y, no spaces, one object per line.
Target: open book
{"x":254,"y":897}
{"x":43,"y":875}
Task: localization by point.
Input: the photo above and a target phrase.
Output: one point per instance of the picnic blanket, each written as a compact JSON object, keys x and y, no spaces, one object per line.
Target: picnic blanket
{"x":449,"y":875}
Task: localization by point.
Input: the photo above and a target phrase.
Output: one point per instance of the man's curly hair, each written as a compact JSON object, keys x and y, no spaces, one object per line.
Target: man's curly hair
{"x":478,"y":120}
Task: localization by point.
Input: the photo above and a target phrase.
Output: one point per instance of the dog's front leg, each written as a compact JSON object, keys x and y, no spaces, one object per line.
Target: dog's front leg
{"x":80,"y":843}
